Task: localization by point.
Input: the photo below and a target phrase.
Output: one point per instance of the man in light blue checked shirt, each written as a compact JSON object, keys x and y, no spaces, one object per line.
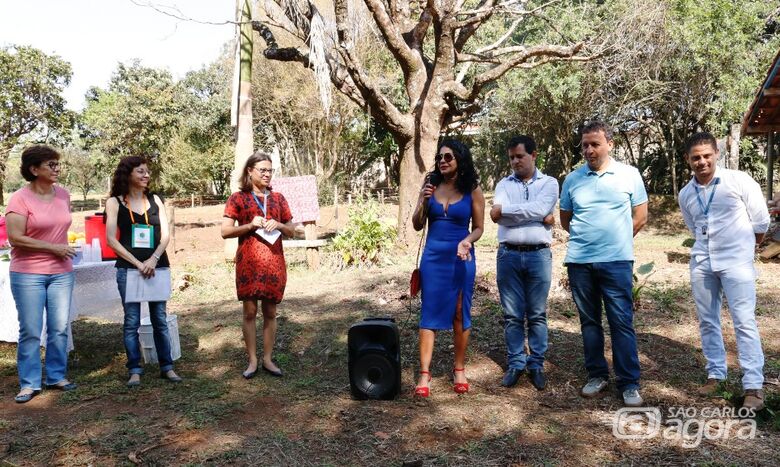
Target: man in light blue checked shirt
{"x":725,"y":211}
{"x":522,"y":208}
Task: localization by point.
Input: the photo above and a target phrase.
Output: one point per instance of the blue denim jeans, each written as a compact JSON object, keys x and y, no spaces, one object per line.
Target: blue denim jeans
{"x":523,"y":279}
{"x":162,"y":339}
{"x":34,"y":293}
{"x":738,"y":283}
{"x":610,"y":282}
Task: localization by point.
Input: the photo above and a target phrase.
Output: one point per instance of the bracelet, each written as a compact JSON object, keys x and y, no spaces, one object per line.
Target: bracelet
{"x":156,"y":256}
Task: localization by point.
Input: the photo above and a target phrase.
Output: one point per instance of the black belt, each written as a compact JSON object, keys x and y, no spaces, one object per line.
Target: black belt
{"x":539,"y":246}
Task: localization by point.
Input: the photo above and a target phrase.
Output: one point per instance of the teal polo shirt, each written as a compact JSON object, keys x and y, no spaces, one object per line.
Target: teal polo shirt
{"x":602,"y":228}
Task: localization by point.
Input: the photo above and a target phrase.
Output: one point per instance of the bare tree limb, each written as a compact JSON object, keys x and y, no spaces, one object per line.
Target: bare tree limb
{"x":392,"y":36}
{"x":174,"y":12}
{"x":469,"y":27}
{"x":380,"y":107}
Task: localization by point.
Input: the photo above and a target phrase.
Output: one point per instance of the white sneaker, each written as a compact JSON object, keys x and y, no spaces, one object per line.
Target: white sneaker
{"x":632,"y":398}
{"x":594,"y":386}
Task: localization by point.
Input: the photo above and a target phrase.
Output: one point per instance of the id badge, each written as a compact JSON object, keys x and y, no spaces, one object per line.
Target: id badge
{"x":143,"y":236}
{"x":701,"y":230}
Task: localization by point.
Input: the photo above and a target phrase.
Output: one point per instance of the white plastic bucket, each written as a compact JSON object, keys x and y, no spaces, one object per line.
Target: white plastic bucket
{"x":145,"y":333}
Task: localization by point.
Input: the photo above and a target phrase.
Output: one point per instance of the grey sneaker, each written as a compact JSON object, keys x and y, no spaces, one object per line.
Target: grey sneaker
{"x":632,"y":398}
{"x":594,"y":386}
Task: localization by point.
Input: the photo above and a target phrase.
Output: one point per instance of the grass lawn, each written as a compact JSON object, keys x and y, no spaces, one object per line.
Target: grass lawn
{"x":308,"y":418}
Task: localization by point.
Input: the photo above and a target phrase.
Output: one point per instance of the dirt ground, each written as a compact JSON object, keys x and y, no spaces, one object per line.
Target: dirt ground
{"x":308,"y":417}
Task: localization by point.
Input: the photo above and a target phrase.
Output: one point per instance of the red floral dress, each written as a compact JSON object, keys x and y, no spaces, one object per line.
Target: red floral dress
{"x":261,"y":272}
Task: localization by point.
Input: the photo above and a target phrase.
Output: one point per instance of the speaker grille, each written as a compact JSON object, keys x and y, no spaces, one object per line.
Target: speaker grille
{"x":375,"y":375}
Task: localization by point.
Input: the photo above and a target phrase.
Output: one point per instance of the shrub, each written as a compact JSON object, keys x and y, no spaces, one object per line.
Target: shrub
{"x":365,"y":237}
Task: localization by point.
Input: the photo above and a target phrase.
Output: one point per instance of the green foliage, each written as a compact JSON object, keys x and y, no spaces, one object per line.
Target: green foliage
{"x":83,"y":170}
{"x":31,"y":86}
{"x":365,"y":237}
{"x":205,"y":136}
{"x":185,"y":169}
{"x":137,"y":115}
{"x":645,"y":271}
{"x":672,"y":68}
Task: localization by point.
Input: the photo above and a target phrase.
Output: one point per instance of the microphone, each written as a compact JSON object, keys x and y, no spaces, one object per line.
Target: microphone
{"x":435,"y":178}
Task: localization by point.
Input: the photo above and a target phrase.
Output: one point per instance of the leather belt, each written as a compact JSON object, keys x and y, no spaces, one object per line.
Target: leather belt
{"x":539,"y":246}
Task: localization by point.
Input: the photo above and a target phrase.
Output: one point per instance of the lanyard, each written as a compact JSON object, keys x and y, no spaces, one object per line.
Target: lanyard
{"x":262,"y":206}
{"x":706,"y":209}
{"x":130,"y":208}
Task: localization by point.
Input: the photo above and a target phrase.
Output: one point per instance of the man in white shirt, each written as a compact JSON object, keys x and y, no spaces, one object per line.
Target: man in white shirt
{"x":523,"y":209}
{"x":726,"y":212}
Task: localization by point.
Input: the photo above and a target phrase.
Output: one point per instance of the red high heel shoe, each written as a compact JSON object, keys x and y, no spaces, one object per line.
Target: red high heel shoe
{"x":424,"y":391}
{"x":461,"y":388}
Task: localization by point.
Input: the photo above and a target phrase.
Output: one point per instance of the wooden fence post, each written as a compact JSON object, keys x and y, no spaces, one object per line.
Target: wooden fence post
{"x":336,"y":206}
{"x":170,"y":210}
{"x":312,"y":254}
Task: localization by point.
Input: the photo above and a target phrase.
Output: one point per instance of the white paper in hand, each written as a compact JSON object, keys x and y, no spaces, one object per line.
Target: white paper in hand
{"x":153,"y":289}
{"x":270,"y":237}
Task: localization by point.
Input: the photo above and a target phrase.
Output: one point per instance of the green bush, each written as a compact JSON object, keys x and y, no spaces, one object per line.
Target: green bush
{"x":365,"y":237}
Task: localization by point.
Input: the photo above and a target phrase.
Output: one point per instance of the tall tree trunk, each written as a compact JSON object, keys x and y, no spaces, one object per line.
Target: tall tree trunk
{"x":417,"y":157}
{"x":245,"y":138}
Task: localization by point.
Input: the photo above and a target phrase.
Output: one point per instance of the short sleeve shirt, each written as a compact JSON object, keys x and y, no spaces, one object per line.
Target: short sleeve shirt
{"x":47,"y":221}
{"x":602,"y":226}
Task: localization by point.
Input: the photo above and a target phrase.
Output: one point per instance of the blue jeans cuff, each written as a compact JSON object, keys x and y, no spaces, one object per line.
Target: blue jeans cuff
{"x":166,"y":368}
{"x":136,"y":371}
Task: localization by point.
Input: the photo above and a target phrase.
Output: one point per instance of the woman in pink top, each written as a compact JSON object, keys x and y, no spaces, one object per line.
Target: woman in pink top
{"x":37,"y":218}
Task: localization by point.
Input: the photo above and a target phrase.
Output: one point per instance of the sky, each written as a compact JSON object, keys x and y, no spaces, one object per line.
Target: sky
{"x":95,"y":35}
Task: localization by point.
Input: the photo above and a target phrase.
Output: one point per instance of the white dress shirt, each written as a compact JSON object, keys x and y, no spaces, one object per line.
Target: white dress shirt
{"x":736,"y":212}
{"x":524,"y":205}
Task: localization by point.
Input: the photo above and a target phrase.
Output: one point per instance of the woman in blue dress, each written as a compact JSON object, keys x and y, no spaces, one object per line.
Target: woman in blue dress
{"x":451,"y":202}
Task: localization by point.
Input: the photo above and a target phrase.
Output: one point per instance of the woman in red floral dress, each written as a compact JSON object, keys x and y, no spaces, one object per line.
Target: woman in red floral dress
{"x":261,"y":272}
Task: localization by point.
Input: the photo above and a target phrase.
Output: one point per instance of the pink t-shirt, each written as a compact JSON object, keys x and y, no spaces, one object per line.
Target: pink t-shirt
{"x":47,"y":221}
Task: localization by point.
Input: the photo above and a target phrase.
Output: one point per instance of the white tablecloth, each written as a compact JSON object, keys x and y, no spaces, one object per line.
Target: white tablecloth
{"x":94,"y":294}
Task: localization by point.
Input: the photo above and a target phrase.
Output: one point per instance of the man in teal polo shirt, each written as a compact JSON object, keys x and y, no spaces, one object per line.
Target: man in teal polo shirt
{"x":603,"y":206}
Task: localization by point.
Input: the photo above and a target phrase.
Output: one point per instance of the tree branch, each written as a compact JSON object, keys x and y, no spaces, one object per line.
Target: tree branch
{"x":375,"y":102}
{"x":549,"y":53}
{"x":338,"y":76}
{"x":393,"y":37}
{"x":470,"y":26}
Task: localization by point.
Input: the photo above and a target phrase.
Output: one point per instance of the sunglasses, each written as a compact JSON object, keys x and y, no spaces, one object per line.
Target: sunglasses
{"x":445,"y":156}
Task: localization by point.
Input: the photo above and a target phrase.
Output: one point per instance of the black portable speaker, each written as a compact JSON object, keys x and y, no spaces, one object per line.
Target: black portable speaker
{"x":374,"y":359}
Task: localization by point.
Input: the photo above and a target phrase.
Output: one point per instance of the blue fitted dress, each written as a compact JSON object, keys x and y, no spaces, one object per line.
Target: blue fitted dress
{"x":444,"y":276}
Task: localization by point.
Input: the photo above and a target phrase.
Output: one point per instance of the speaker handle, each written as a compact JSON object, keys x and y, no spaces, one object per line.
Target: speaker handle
{"x":386,"y":318}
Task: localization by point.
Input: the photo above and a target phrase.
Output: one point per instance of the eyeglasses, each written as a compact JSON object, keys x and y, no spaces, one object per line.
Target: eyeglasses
{"x":446,"y":156}
{"x":264,"y":171}
{"x":143,"y":172}
{"x":53,"y":165}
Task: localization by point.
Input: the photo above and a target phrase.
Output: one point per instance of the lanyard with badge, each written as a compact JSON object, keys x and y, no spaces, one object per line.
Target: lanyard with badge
{"x":702,"y":227}
{"x":263,"y":207}
{"x":141,"y":235}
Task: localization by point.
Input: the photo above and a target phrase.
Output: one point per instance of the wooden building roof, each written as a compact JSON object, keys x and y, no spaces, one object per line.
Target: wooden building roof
{"x":763,"y":115}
